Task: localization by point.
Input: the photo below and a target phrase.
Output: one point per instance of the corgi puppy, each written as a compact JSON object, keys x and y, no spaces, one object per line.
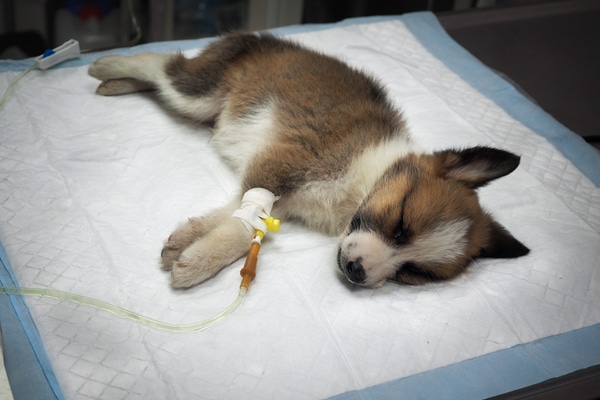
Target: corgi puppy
{"x":326,"y":139}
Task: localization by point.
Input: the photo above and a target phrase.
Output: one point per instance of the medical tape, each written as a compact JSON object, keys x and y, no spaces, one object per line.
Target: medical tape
{"x":256,"y":205}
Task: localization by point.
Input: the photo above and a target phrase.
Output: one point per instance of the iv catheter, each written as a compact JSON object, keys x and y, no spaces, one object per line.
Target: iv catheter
{"x":248,"y":272}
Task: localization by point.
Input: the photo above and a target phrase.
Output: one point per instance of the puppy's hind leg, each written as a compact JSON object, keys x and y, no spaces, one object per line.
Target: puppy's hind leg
{"x":189,"y":87}
{"x":147,"y":67}
{"x":129,"y":74}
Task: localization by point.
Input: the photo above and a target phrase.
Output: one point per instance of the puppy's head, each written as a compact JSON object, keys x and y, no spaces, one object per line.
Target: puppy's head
{"x":422,"y":222}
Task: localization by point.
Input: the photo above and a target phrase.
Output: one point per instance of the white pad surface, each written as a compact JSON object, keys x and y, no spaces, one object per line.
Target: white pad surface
{"x":91,"y":187}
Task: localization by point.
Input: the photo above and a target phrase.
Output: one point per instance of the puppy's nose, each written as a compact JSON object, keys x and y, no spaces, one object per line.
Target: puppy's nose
{"x":355,"y":271}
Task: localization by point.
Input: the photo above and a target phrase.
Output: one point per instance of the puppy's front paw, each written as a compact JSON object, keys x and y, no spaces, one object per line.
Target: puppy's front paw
{"x":208,"y":255}
{"x":169,"y":254}
{"x":182,"y":238}
{"x":202,"y":247}
{"x":184,"y":274}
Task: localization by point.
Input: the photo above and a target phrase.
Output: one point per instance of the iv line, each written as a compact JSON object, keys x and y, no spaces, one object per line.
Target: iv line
{"x":128,"y":314}
{"x":12,"y":85}
{"x":248,"y":273}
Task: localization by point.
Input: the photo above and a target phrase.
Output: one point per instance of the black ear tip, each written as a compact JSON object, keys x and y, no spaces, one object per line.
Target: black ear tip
{"x":476,"y":166}
{"x":506,"y":158}
{"x":489,"y":162}
{"x":502,"y":244}
{"x":506,"y":248}
{"x":517,"y":249}
{"x":504,"y":161}
{"x":513,"y":159}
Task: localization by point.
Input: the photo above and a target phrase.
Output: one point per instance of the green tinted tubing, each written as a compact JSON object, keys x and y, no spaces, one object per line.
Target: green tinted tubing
{"x":12,"y":85}
{"x":128,"y":314}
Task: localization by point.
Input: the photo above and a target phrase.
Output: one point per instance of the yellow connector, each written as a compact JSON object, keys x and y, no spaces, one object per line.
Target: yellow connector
{"x":273,"y":225}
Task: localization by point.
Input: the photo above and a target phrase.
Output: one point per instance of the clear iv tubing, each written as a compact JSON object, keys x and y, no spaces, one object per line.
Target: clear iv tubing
{"x":124,"y":313}
{"x":12,"y":85}
{"x":248,"y":273}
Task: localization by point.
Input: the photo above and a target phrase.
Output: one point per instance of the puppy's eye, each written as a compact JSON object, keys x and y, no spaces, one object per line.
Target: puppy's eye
{"x":402,"y":235}
{"x":355,"y":223}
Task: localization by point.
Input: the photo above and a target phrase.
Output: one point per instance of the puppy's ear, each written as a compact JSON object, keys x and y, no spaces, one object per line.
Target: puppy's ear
{"x":501,"y":244}
{"x":475,"y":166}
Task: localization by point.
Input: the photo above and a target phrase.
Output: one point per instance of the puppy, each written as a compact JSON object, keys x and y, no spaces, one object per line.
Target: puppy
{"x":324,"y":138}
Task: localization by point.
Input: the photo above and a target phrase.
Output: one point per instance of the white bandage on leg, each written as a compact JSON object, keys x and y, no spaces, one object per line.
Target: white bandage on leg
{"x":256,"y":205}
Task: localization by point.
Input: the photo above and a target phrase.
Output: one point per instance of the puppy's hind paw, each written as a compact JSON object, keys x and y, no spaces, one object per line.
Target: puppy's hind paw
{"x":106,"y":68}
{"x":116,"y":87}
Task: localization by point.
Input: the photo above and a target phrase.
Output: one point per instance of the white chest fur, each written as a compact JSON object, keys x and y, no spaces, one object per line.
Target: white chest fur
{"x":239,"y":139}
